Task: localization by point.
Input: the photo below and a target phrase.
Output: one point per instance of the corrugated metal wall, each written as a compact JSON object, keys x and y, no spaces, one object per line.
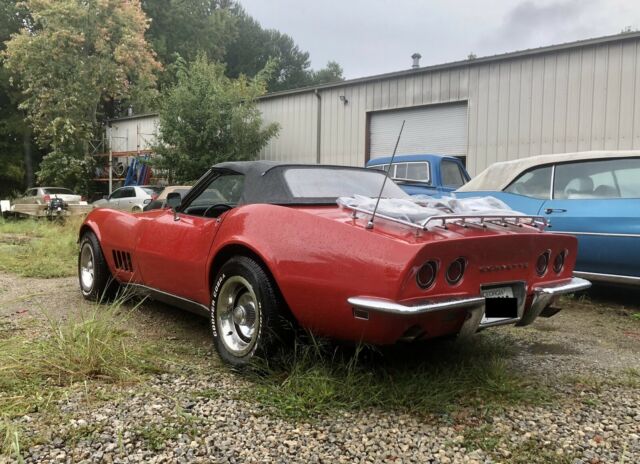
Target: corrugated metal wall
{"x":578,"y":99}
{"x":133,"y":134}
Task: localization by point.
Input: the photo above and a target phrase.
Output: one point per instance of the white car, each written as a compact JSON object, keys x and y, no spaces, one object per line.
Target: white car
{"x":131,"y":198}
{"x":43,"y":195}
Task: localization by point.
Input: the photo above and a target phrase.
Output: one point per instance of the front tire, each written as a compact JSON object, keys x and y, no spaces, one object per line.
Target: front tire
{"x":96,"y":281}
{"x":245,"y":311}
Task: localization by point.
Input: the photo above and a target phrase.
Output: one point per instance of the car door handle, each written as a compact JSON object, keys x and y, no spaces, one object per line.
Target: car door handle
{"x":554,"y":210}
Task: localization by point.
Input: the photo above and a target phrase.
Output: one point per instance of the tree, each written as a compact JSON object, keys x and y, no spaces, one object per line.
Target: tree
{"x":74,"y":61}
{"x":186,"y":28}
{"x":15,"y":136}
{"x":254,"y":46}
{"x":207,"y":118}
{"x":331,"y":73}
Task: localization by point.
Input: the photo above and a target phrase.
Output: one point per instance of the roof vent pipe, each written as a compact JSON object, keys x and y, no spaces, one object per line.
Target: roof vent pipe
{"x":416,"y":60}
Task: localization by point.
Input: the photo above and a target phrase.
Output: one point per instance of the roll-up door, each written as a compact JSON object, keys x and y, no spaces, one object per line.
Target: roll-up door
{"x":438,"y":129}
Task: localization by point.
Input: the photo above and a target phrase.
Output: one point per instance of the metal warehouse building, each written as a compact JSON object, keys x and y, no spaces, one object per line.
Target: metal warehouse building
{"x":572,"y":97}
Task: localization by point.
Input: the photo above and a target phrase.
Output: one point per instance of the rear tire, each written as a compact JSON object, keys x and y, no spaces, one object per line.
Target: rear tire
{"x":96,"y":281}
{"x":246,"y":311}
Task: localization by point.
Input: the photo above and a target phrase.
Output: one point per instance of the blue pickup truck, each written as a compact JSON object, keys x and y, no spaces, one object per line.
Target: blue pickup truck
{"x":427,"y":174}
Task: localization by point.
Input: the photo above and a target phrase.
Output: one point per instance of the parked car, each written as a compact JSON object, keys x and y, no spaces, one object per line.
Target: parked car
{"x":432,"y":175}
{"x":131,"y":198}
{"x":161,"y":200}
{"x":593,"y":195}
{"x":254,"y":243}
{"x":43,"y":195}
{"x":48,"y":202}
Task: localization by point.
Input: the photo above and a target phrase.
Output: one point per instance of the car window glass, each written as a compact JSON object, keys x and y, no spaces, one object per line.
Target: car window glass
{"x":535,"y":183}
{"x":322,"y":183}
{"x":128,"y":192}
{"x":418,"y":172}
{"x":401,"y":171}
{"x":380,"y":167}
{"x":451,"y":174}
{"x":116,"y":194}
{"x":58,"y":191}
{"x":602,"y":179}
{"x":627,"y":174}
{"x":223,"y":190}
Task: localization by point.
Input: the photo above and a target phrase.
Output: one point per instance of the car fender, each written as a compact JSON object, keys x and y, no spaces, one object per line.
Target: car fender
{"x":316,"y":262}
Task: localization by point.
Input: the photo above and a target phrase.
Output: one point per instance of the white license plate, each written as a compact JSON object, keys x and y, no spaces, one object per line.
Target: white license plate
{"x":498,"y":292}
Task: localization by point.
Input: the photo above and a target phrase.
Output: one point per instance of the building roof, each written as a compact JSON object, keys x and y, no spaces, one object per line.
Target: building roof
{"x":498,"y":176}
{"x":438,"y":67}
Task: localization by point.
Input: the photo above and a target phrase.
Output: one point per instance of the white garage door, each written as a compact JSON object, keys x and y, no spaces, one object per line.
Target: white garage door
{"x":429,"y":129}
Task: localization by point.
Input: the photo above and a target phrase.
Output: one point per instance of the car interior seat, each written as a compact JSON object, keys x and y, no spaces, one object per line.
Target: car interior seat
{"x":605,"y":191}
{"x":580,"y":187}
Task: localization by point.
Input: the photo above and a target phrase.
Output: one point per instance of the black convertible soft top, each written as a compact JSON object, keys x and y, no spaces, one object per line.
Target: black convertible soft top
{"x":265,"y":181}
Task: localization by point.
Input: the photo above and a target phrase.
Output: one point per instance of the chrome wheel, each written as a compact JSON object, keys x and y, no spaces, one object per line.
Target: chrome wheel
{"x":238,"y":316}
{"x":87,"y":267}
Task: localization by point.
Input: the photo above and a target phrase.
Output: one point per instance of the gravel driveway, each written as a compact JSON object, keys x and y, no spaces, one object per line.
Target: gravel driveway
{"x":588,"y":354}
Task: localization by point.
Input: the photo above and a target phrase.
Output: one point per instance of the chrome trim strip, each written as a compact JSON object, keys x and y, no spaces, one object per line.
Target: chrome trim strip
{"x":173,"y":300}
{"x":560,"y":288}
{"x":383,"y":305}
{"x":612,"y":278}
{"x":545,"y":295}
{"x":599,"y":234}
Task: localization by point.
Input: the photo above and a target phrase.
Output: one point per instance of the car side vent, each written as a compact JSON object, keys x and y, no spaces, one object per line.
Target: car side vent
{"x":122,"y":260}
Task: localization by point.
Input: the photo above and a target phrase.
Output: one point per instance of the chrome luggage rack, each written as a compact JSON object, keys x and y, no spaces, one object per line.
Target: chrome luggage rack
{"x":464,"y":220}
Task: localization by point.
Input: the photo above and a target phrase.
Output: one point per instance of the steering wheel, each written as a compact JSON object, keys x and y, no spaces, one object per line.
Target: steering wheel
{"x":222,"y":205}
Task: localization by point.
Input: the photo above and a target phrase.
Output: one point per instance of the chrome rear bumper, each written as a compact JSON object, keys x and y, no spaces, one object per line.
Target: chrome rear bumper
{"x":543,"y":296}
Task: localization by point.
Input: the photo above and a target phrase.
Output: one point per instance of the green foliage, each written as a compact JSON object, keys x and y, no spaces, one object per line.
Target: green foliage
{"x":435,"y":378}
{"x":253,"y":47}
{"x":207,"y":118}
{"x":67,"y":170}
{"x":186,"y":28}
{"x":72,"y":59}
{"x":95,"y":345}
{"x":39,"y":248}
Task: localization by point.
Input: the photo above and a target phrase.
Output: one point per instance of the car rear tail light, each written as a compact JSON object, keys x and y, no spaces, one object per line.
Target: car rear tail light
{"x":83,"y":198}
{"x":426,"y":275}
{"x":455,"y":271}
{"x":558,"y":262}
{"x":47,"y":198}
{"x":542,"y":263}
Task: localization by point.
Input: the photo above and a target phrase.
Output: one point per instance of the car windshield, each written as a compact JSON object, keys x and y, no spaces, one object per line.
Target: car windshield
{"x":58,"y":191}
{"x":152,"y":190}
{"x":323,"y":183}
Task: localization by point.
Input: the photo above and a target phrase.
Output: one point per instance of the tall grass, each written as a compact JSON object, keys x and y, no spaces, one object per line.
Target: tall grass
{"x":436,"y":377}
{"x":39,"y":248}
{"x":88,"y":347}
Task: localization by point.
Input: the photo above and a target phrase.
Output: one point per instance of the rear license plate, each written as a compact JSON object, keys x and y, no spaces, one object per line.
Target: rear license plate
{"x":500,"y":303}
{"x":498,"y":292}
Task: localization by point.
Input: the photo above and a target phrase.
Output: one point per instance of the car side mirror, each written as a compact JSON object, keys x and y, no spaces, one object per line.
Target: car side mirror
{"x":174,"y":200}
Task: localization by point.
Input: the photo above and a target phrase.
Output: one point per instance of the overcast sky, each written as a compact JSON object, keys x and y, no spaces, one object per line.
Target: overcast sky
{"x":370,"y":37}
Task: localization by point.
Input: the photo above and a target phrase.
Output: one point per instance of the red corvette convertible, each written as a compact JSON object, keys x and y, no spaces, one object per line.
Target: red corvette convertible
{"x":256,"y":243}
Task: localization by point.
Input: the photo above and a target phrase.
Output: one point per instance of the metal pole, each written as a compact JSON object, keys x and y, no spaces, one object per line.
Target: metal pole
{"x":373,"y":215}
{"x":110,"y":159}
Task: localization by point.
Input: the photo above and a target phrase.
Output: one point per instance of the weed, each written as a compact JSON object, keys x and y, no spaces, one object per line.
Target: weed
{"x":92,"y":346}
{"x":481,"y":438}
{"x":314,"y":379}
{"x":39,"y":248}
{"x":10,"y":440}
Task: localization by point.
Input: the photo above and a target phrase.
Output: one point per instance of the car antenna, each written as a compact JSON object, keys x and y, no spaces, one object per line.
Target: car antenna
{"x":373,"y":215}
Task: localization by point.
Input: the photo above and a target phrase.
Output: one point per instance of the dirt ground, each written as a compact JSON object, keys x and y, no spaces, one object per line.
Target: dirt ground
{"x":594,"y":340}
